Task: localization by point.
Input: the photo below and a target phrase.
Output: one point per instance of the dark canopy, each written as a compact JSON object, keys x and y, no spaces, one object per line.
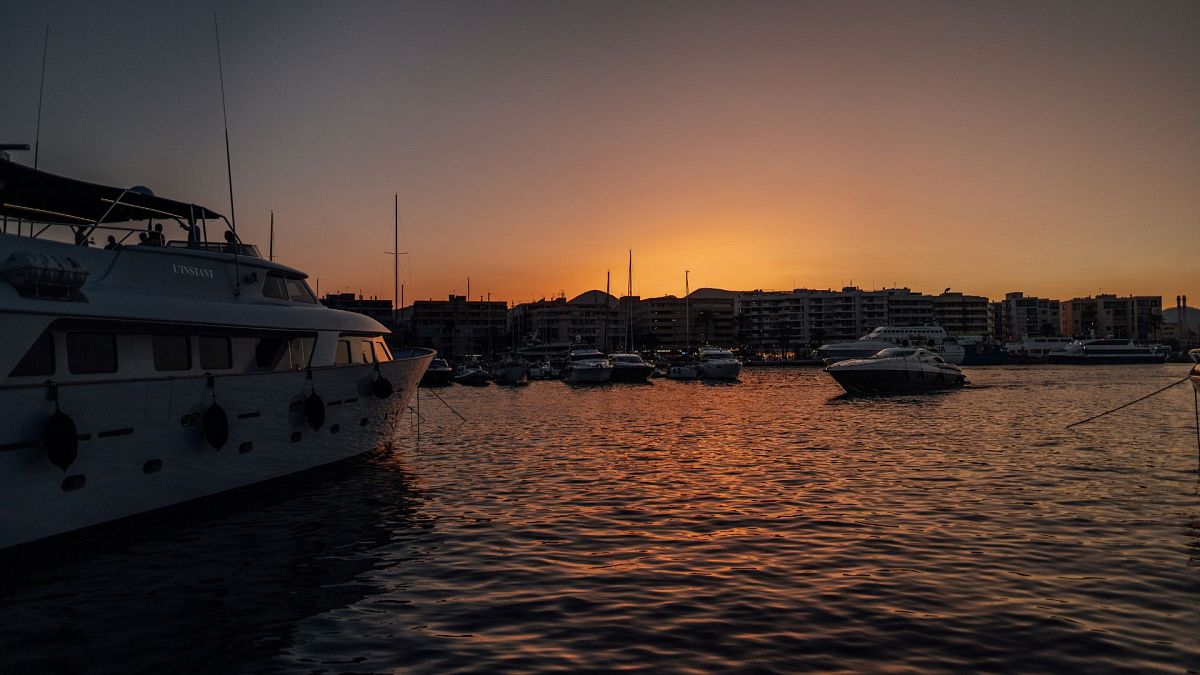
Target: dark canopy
{"x":44,"y":197}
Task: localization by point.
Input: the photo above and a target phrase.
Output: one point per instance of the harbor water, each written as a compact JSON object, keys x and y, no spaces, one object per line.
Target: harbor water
{"x":766,"y":525}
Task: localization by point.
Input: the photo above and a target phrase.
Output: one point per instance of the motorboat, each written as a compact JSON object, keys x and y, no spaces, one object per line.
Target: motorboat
{"x":542,"y":371}
{"x":630,"y":368}
{"x":686,"y":370}
{"x":438,"y":374}
{"x":472,"y":375}
{"x":137,"y":377}
{"x":511,"y":371}
{"x":1194,"y":355}
{"x":1106,"y":351}
{"x":896,"y":370}
{"x":718,"y":364}
{"x":586,"y":365}
{"x":934,"y":338}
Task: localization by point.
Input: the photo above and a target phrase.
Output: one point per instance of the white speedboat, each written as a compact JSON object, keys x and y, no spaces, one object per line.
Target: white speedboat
{"x":472,"y":375}
{"x":139,"y":377}
{"x":1106,"y":351}
{"x":718,"y":364}
{"x":586,"y":365}
{"x":630,"y":368}
{"x":896,"y":370}
{"x":684,"y":371}
{"x":934,"y":338}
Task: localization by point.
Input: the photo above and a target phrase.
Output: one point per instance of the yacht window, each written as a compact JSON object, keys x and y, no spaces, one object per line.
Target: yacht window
{"x":367,"y":355}
{"x":91,"y":353}
{"x":298,"y":292}
{"x":268,"y":351}
{"x":382,"y":353}
{"x":39,"y":360}
{"x":342,"y":356}
{"x":172,"y":352}
{"x":215,"y":353}
{"x":275,"y":287}
{"x":301,"y":349}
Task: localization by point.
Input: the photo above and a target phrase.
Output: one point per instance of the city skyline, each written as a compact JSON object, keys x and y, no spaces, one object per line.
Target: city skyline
{"x":985,"y":148}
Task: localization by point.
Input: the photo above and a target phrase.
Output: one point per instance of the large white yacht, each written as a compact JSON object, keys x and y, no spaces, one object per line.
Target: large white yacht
{"x":718,"y":364}
{"x":139,"y":376}
{"x":586,"y":365}
{"x":934,"y":338}
{"x":1035,"y":347}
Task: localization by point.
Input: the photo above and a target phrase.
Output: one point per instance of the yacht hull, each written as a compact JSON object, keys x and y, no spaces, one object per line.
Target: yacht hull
{"x":142,"y":445}
{"x":511,"y":375}
{"x":720,"y":371}
{"x":633,"y":373}
{"x":576,"y":375}
{"x":873,"y":380}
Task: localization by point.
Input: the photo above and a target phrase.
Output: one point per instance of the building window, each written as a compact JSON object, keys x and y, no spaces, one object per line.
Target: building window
{"x":89,"y":353}
{"x":215,"y":353}
{"x":172,"y":352}
{"x":39,"y":360}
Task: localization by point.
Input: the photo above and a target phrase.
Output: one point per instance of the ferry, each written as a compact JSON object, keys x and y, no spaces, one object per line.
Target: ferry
{"x":1106,"y":351}
{"x":145,"y":373}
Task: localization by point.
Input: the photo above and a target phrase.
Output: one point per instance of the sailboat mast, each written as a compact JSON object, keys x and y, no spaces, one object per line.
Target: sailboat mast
{"x":629,"y":306}
{"x":607,"y":306}
{"x":396,"y":261}
{"x":687,"y":310}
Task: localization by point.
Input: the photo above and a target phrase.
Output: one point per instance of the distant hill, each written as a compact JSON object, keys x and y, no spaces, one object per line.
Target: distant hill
{"x":701,"y":293}
{"x":592,"y":297}
{"x":1191,"y":316}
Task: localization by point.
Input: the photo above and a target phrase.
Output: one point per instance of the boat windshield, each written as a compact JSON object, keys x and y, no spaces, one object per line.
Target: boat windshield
{"x":627,"y":358}
{"x":892,"y":352}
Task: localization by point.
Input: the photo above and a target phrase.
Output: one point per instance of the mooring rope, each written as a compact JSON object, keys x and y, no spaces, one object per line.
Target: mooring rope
{"x":435,"y":395}
{"x":1136,"y":400}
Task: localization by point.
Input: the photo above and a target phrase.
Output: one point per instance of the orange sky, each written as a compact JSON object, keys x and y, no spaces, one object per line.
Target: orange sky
{"x":988,"y":147}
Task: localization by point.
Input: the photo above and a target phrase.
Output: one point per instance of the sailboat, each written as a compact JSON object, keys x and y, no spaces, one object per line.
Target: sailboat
{"x":628,"y":366}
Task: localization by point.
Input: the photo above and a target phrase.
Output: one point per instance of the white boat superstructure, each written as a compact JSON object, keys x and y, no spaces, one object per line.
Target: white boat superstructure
{"x":718,"y":364}
{"x":137,"y":377}
{"x":586,"y":365}
{"x":1035,"y":347}
{"x":1107,"y":351}
{"x":934,"y":338}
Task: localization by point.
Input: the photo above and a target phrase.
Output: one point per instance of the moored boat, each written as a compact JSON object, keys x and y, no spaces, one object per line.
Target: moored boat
{"x":586,"y":365}
{"x":139,"y":377}
{"x":630,"y":368}
{"x":472,"y":375}
{"x":935,"y":338}
{"x":438,"y":374}
{"x":896,"y":370}
{"x":510,"y":371}
{"x":718,"y":364}
{"x":1106,"y":351}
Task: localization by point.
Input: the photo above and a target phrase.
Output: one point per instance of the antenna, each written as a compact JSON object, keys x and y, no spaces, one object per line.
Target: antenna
{"x":271,"y":241}
{"x":37,"y":138}
{"x":225,"y":116}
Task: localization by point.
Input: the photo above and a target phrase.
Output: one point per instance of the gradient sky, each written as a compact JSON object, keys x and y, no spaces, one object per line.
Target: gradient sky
{"x":1052,"y":148}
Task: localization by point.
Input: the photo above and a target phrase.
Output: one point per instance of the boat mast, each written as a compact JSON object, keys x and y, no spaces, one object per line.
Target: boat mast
{"x":396,"y":261}
{"x":271,"y":239}
{"x":687,"y":311}
{"x":37,"y":137}
{"x":607,"y":307}
{"x":629,"y":306}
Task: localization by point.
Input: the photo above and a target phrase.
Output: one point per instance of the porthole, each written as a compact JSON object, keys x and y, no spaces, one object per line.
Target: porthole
{"x":335,"y":428}
{"x":245,"y":447}
{"x":363,"y":422}
{"x":152,"y":466}
{"x":74,"y":482}
{"x":296,"y":436}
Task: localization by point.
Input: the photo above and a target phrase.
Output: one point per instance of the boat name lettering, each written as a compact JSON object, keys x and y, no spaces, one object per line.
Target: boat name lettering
{"x":189,"y":271}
